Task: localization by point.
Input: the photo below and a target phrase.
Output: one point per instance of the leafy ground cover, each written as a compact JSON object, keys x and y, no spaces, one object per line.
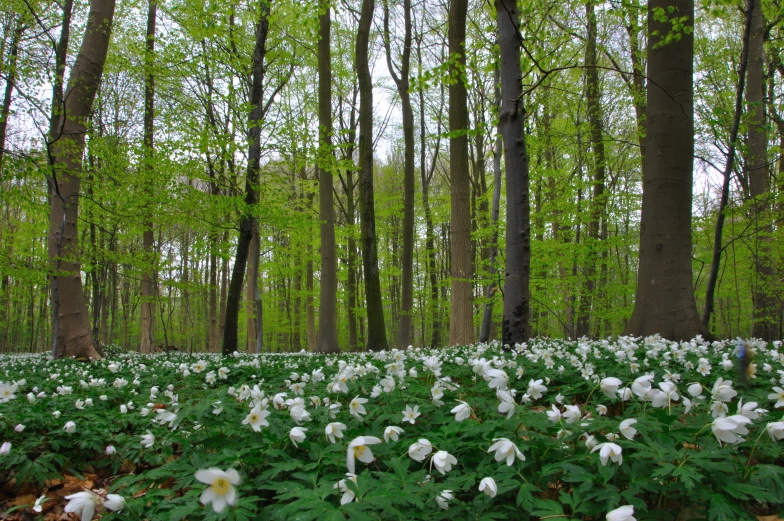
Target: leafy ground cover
{"x":633,"y":428}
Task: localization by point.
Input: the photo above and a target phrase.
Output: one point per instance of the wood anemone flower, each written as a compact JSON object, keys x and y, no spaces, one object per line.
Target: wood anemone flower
{"x":221,"y":487}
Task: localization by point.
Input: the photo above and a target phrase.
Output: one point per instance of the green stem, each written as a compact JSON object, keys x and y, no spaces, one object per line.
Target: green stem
{"x":751,"y":454}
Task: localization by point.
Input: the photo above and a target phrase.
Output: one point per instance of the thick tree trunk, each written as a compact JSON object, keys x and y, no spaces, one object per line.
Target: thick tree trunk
{"x":598,"y":198}
{"x":664,"y":301}
{"x":765,"y":304}
{"x":148,"y":255}
{"x":55,"y":131}
{"x":517,"y":305}
{"x":461,"y":322}
{"x":327,"y":341}
{"x":72,"y":321}
{"x":404,"y":333}
{"x":377,"y":335}
{"x":247,"y":221}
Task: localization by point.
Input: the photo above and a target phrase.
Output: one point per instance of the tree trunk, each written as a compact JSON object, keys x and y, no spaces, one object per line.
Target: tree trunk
{"x":765,"y":305}
{"x":254,"y":309}
{"x":461,"y":328}
{"x":148,"y":255}
{"x":327,"y":341}
{"x":664,"y":301}
{"x":309,"y":309}
{"x":487,"y":315}
{"x":248,"y":221}
{"x":10,"y":80}
{"x":426,"y":175}
{"x":377,"y":335}
{"x":296,"y":334}
{"x":213,"y":304}
{"x":404,"y":334}
{"x":725,"y":186}
{"x":598,"y":200}
{"x":71,"y":321}
{"x":224,"y":288}
{"x":511,"y":121}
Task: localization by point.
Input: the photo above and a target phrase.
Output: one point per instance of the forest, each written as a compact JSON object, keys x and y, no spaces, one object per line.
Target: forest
{"x":347,"y":175}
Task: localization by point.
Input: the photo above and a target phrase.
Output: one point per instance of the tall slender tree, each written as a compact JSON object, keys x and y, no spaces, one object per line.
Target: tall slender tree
{"x":148,"y":272}
{"x":248,"y":219}
{"x":487,"y":315}
{"x":72,"y":325}
{"x":400,"y":77}
{"x":10,"y":79}
{"x":327,"y":332}
{"x":664,"y":301}
{"x":461,"y":322}
{"x":599,"y":168}
{"x":376,"y":333}
{"x":517,"y":271}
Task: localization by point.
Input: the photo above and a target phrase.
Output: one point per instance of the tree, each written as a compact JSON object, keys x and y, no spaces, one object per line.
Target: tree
{"x":376,"y":336}
{"x":327,"y":341}
{"x":728,"y":169}
{"x":461,"y":323}
{"x":517,"y":271}
{"x":598,"y":198}
{"x":400,"y":78}
{"x":72,"y":335}
{"x":664,"y":301}
{"x":764,"y":300}
{"x":487,"y":315}
{"x":248,"y":220}
{"x":148,"y":274}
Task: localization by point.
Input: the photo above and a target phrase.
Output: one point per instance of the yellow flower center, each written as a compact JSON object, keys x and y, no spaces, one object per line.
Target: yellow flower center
{"x":359,"y":451}
{"x":221,"y":486}
{"x":254,"y":418}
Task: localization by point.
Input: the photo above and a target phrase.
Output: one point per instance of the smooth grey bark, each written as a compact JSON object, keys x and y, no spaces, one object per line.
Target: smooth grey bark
{"x":327,"y":341}
{"x":72,"y":325}
{"x":766,"y":307}
{"x":404,"y":333}
{"x":461,"y":323}
{"x":511,"y":118}
{"x":376,"y":333}
{"x":247,"y":221}
{"x":664,"y":300}
{"x":487,"y":314}
{"x":148,"y":271}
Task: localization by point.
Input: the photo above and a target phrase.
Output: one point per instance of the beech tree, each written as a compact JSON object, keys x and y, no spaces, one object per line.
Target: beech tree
{"x":71,"y":331}
{"x":664,"y":301}
{"x":511,"y":116}
{"x":248,"y":220}
{"x":400,"y":78}
{"x":461,"y":321}
{"x":148,"y":275}
{"x":327,"y":332}
{"x":376,"y":335}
